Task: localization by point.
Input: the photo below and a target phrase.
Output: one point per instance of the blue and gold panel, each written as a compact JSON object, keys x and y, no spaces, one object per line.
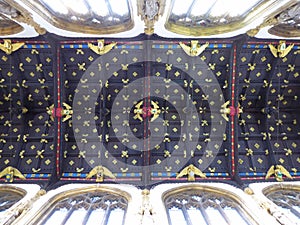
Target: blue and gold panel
{"x":27,"y":131}
{"x":268,"y":89}
{"x":140,"y":110}
{"x":91,"y":139}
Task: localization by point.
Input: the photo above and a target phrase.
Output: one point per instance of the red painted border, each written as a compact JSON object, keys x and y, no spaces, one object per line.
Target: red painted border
{"x":270,"y":42}
{"x":233,"y":116}
{"x":95,"y":40}
{"x":185,"y":179}
{"x":58,"y":118}
{"x":106,"y":179}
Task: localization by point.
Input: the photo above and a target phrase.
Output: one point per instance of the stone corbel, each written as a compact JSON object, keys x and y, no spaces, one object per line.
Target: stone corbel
{"x":150,"y":10}
{"x":269,"y":22}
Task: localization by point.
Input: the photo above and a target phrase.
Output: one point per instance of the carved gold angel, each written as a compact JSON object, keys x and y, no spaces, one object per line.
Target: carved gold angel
{"x":281,"y":50}
{"x":138,"y":111}
{"x":65,"y":112}
{"x":100,"y":172}
{"x":195,"y":49}
{"x":155,"y":111}
{"x":191,"y":171}
{"x":101,"y":49}
{"x":278,"y":171}
{"x":11,"y":172}
{"x":142,"y":112}
{"x":230,"y":110}
{"x":8,"y":47}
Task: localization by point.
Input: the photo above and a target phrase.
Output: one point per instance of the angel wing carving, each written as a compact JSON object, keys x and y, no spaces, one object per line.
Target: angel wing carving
{"x":281,"y":51}
{"x":101,"y":49}
{"x":100,"y":172}
{"x":278,"y":171}
{"x":195,"y":49}
{"x":191,"y":171}
{"x":67,"y":112}
{"x":11,"y":172}
{"x":138,"y":111}
{"x":51,"y":112}
{"x":9,"y":48}
{"x":155,"y":111}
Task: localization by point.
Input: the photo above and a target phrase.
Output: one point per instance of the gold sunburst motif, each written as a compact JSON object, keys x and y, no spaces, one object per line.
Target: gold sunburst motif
{"x":101,"y":48}
{"x":281,"y":50}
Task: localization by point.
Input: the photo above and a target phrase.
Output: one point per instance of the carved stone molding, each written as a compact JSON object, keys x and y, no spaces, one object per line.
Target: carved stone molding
{"x":268,"y":22}
{"x":24,"y":207}
{"x":8,"y":9}
{"x":288,"y":23}
{"x":279,"y":18}
{"x":19,"y":14}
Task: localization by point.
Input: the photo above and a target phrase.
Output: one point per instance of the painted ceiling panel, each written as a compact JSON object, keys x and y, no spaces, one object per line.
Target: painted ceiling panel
{"x":146,"y":110}
{"x":27,"y":132}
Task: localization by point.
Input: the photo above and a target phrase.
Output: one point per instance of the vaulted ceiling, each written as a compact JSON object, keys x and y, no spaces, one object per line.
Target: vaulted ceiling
{"x":146,"y":89}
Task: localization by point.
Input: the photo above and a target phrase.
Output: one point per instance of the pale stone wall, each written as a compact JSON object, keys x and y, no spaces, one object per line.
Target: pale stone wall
{"x":148,"y":208}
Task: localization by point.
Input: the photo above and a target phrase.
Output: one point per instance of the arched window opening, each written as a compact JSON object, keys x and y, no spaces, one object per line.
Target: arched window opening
{"x":288,"y":200}
{"x":90,"y":208}
{"x":94,"y":17}
{"x":192,"y":207}
{"x":8,"y":198}
{"x":199,"y":18}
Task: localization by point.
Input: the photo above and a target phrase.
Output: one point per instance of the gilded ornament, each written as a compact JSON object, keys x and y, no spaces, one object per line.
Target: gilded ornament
{"x":101,"y":48}
{"x":278,"y":171}
{"x":100,"y":172}
{"x":195,"y":49}
{"x":9,"y":48}
{"x":141,"y":112}
{"x":225,"y":110}
{"x":191,"y":171}
{"x":282,"y":50}
{"x":65,"y":112}
{"x":11,"y":172}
